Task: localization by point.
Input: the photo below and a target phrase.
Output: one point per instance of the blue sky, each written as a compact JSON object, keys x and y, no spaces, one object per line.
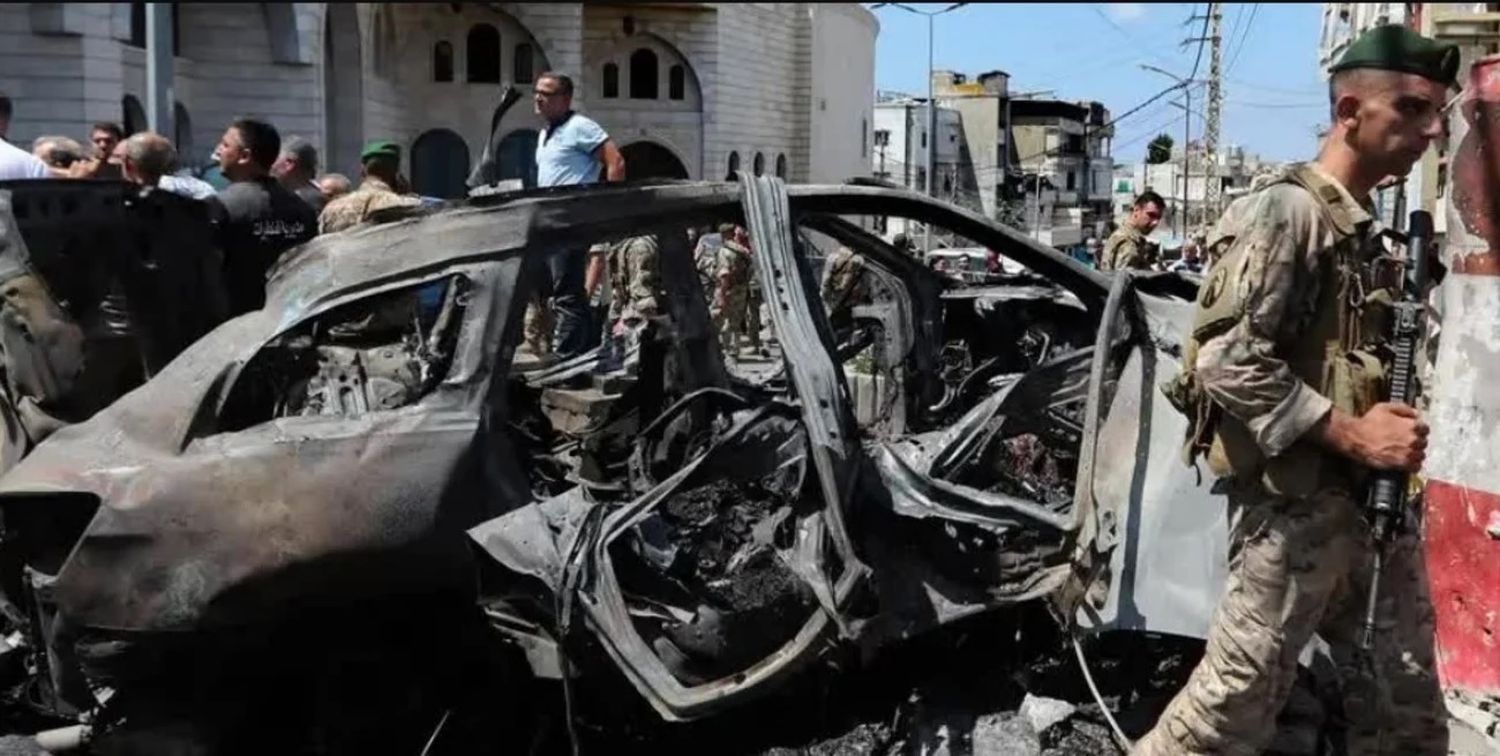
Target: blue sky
{"x":1275,"y":95}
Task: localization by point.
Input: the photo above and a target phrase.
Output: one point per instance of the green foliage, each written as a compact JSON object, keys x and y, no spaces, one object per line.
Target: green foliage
{"x":1159,"y":150}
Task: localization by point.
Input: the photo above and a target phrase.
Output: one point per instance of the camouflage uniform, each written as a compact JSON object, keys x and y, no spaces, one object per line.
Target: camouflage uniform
{"x":539,"y":325}
{"x":635,"y":277}
{"x":731,"y":303}
{"x":1127,"y":247}
{"x":1288,"y":325}
{"x":354,"y":208}
{"x":843,"y":283}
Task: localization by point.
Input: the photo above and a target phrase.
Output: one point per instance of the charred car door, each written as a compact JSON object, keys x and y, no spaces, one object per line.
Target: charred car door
{"x":104,"y":283}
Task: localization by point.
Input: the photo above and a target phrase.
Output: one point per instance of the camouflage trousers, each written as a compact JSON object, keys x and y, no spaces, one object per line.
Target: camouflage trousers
{"x":736,"y":314}
{"x":1299,"y":567}
{"x":539,"y":325}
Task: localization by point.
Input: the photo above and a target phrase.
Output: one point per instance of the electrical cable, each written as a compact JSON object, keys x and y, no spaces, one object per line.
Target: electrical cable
{"x":1088,"y":677}
{"x":1127,"y":35}
{"x":1202,"y":40}
{"x":1244,"y":37}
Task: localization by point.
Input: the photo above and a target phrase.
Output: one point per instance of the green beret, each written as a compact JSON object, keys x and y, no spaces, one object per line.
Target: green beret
{"x":1397,"y":48}
{"x":381,"y":149}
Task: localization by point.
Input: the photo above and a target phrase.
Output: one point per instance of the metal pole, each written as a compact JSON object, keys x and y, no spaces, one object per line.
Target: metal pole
{"x":159,"y":91}
{"x":931,"y":127}
{"x":1187,"y":124}
{"x":1036,"y":226}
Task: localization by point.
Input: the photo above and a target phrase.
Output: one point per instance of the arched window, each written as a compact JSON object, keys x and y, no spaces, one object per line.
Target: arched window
{"x":135,"y":115}
{"x":760,"y":164}
{"x":182,"y":126}
{"x":442,"y":61}
{"x":734,"y":166}
{"x":611,"y":81}
{"x":781,"y":167}
{"x":521,"y":71}
{"x":643,"y":75}
{"x":676,"y":83}
{"x":483,"y":54}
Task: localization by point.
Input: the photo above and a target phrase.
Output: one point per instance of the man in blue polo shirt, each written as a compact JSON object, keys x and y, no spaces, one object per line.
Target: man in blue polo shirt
{"x":572,"y":149}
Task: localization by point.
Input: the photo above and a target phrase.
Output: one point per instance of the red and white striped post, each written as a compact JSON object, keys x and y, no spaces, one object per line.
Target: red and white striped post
{"x":1462,"y":510}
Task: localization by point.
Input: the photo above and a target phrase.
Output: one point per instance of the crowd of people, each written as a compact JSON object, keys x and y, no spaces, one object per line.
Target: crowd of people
{"x":266,"y":194}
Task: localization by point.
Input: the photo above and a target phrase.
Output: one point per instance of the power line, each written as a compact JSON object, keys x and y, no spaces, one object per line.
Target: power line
{"x":1279,"y":105}
{"x":1127,"y":35}
{"x":1276,"y":90}
{"x":1113,"y":121}
{"x":1202,"y":38}
{"x":1244,"y":36}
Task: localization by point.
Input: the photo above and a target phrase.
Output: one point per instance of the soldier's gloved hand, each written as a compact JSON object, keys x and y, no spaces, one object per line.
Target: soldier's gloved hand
{"x":1389,"y":437}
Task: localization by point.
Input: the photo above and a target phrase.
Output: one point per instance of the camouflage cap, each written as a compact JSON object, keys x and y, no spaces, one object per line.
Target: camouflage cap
{"x":1396,"y":48}
{"x":381,"y":149}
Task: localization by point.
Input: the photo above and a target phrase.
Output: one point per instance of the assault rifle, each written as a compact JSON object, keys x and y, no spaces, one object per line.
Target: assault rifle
{"x":1387,"y":500}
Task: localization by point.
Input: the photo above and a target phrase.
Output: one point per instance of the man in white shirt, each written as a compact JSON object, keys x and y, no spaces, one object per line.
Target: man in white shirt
{"x":15,"y":163}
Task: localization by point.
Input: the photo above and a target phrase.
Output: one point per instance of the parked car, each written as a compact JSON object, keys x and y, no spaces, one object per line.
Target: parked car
{"x":348,"y":486}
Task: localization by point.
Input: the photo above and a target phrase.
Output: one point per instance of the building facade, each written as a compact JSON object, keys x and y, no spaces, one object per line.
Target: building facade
{"x":1063,"y":154}
{"x":901,"y":147}
{"x":1185,"y":212}
{"x":982,"y":108}
{"x":900,"y":155}
{"x":1040,"y":165}
{"x":689,"y":90}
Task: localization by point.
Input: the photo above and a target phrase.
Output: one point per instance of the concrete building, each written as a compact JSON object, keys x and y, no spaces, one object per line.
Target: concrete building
{"x":901,"y":151}
{"x":901,"y":146}
{"x":1040,"y":165}
{"x":982,"y":105}
{"x":1063,"y":153}
{"x":1236,"y":170}
{"x":690,"y":90}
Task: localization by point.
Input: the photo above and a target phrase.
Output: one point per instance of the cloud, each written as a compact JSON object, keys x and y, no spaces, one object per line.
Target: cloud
{"x":1126,"y":11}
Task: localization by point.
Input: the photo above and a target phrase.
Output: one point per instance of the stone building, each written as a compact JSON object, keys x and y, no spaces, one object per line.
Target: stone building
{"x":690,"y":90}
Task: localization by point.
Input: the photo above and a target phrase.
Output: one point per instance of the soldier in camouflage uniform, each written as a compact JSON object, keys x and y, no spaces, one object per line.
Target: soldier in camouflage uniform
{"x":1283,"y":377}
{"x":844,"y":286}
{"x":539,"y":325}
{"x":706,"y":258}
{"x":378,"y":191}
{"x":733,"y":273}
{"x":1127,"y":247}
{"x":635,"y":279}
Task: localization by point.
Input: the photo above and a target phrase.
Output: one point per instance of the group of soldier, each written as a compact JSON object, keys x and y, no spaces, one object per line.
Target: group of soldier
{"x":632,"y":293}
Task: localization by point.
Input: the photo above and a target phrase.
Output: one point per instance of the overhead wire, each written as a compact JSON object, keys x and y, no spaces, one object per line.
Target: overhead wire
{"x":1127,"y":35}
{"x":1244,"y":37}
{"x":1115,"y":120}
{"x":1276,"y":90}
{"x":1202,"y":39}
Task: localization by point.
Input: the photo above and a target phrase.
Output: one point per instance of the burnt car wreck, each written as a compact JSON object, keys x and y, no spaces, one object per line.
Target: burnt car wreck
{"x":362,"y":482}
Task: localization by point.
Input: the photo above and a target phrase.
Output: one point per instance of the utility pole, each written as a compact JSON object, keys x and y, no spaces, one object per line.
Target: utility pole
{"x":931,"y":104}
{"x":159,"y":74}
{"x":1187,"y":123}
{"x":1213,"y":187}
{"x":1187,"y":119}
{"x":931,"y":133}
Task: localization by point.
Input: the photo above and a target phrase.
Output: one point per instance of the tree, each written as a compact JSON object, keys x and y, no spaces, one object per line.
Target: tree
{"x":1159,"y":150}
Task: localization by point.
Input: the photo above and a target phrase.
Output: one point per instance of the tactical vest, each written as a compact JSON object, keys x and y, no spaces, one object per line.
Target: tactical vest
{"x":1110,"y":260}
{"x":1342,"y":354}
